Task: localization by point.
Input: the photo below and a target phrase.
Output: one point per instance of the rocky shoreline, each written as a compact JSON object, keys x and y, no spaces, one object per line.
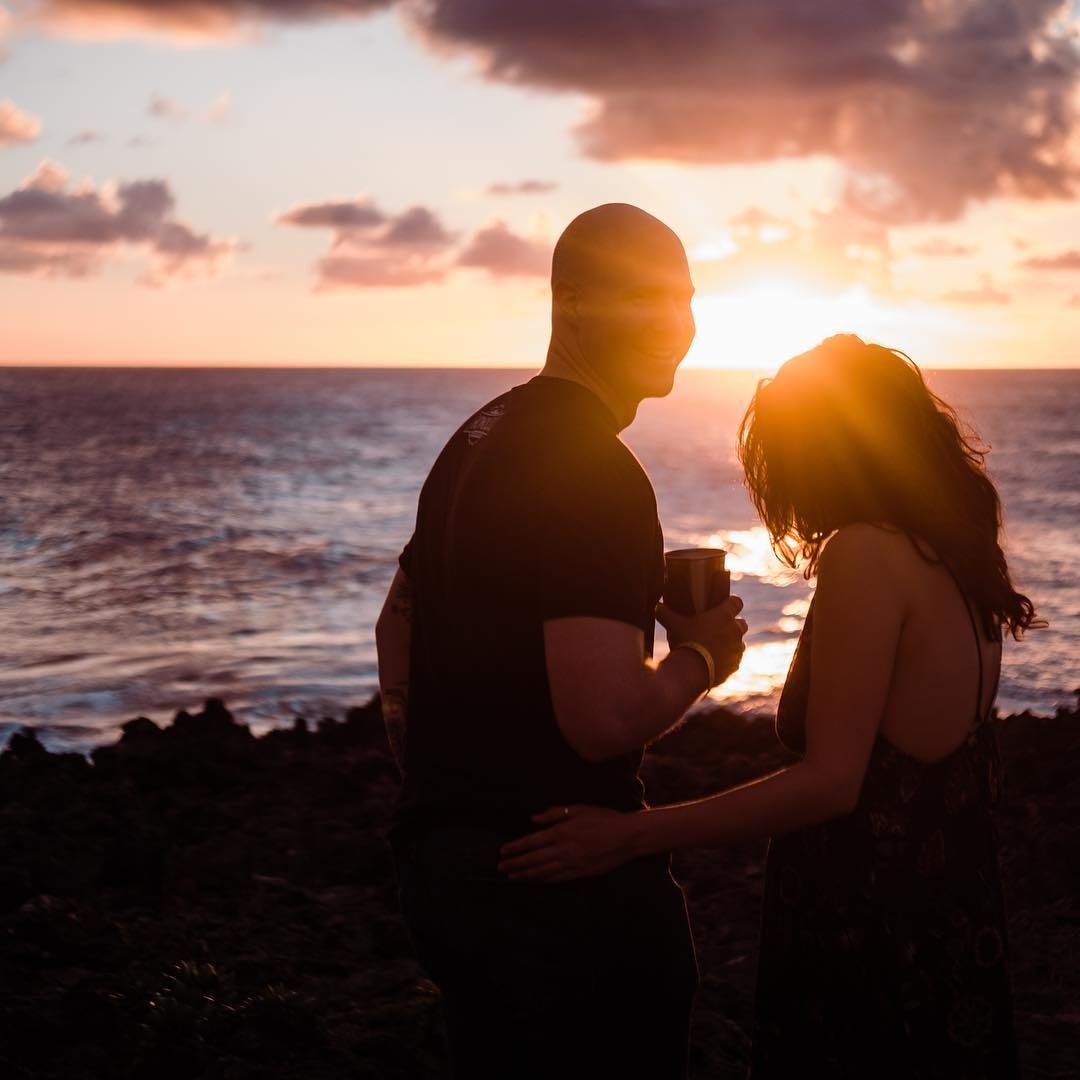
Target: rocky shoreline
{"x":197,"y":902}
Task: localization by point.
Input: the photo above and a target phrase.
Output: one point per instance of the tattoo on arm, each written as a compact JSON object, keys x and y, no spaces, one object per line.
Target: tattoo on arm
{"x":394,"y":706}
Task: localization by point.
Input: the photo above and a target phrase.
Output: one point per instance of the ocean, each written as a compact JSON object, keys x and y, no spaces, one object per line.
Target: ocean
{"x":168,"y":535}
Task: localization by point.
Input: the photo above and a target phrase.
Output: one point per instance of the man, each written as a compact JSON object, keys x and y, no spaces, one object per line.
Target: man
{"x":517,"y":638}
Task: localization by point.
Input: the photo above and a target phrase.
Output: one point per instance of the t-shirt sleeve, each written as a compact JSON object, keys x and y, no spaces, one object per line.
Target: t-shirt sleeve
{"x":598,"y":546}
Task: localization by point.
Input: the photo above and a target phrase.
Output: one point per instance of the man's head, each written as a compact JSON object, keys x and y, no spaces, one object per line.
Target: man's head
{"x":621,"y":294}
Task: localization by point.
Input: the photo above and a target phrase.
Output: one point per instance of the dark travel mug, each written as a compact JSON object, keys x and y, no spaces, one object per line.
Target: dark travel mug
{"x":695,"y":579}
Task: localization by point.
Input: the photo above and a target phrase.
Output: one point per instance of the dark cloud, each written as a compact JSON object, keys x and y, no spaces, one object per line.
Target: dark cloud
{"x":343,"y":216}
{"x":84,"y":138}
{"x":46,"y":227}
{"x":503,"y":253}
{"x":370,"y":248}
{"x":930,"y":105}
{"x":1067,"y":260}
{"x":417,"y":227}
{"x":937,"y":246}
{"x":522,"y":187}
{"x":15,"y":125}
{"x":986,"y":293}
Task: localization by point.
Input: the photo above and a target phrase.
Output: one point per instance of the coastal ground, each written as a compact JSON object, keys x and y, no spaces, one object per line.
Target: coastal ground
{"x":195,"y":902}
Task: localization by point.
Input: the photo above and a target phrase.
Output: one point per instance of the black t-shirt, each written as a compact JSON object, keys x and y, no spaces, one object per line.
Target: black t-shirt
{"x":534,"y":510}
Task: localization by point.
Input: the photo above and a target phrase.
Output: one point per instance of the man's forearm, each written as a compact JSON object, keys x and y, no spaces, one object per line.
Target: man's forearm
{"x":665,"y":692}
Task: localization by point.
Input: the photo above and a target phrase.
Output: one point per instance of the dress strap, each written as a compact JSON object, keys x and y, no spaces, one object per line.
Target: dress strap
{"x":979,"y":714}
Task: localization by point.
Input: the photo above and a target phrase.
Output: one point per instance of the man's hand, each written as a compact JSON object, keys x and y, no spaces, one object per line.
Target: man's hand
{"x":718,"y":629}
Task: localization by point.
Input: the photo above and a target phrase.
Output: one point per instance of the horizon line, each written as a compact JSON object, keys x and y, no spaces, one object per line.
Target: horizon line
{"x":201,"y":366}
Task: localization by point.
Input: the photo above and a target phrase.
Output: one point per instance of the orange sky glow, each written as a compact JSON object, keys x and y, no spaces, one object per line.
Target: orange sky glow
{"x":380,"y":182}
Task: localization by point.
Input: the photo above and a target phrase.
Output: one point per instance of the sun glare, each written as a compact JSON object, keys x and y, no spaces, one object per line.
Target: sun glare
{"x":760,"y":326}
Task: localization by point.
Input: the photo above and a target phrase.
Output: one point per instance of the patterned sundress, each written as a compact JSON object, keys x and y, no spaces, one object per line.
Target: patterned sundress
{"x":884,"y":951}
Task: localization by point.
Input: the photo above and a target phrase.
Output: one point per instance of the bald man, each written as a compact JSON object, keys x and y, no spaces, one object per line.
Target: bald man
{"x":515,"y":664}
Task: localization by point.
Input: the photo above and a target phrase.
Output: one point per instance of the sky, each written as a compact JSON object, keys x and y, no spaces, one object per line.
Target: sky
{"x":380,"y":182}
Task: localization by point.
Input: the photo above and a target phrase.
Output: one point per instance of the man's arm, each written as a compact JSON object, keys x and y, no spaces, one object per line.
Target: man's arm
{"x":393,"y":635}
{"x":609,"y":699}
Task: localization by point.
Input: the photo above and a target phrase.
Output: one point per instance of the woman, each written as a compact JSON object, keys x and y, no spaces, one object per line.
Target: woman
{"x":883,"y":948}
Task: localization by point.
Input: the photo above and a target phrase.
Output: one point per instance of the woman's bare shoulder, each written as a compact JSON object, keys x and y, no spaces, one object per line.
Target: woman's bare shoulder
{"x":860,"y":541}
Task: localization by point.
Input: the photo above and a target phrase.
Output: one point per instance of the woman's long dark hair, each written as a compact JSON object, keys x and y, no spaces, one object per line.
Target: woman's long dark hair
{"x":850,"y":432}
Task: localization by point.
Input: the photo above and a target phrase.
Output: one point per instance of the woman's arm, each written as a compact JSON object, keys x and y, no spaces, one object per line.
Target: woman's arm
{"x":858,"y":614}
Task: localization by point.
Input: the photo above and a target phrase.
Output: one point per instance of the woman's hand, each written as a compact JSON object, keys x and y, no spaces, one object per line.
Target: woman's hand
{"x":581,"y":841}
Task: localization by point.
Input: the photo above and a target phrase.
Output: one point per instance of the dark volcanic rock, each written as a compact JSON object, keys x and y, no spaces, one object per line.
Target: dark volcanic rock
{"x":201,"y":903}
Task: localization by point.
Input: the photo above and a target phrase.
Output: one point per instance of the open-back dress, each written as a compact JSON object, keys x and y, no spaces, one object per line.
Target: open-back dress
{"x":884,"y":948}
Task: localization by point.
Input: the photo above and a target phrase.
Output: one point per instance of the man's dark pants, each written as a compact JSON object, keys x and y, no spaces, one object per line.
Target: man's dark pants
{"x":593,"y":978}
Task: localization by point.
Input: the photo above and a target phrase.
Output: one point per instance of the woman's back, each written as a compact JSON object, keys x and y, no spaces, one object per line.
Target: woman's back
{"x":883,"y":946}
{"x":945,"y":670}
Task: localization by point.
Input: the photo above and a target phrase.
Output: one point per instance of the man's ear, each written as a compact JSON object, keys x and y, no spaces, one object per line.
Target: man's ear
{"x":566,"y":299}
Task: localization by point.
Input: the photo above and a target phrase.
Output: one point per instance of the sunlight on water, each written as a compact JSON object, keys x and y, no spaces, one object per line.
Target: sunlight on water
{"x":761,"y":673}
{"x":750,"y":554}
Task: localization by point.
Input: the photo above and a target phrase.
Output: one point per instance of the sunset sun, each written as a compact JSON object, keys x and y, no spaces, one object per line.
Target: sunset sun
{"x":761,"y":325}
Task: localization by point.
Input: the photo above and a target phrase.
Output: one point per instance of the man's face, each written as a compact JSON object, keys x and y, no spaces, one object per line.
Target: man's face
{"x":635,"y":331}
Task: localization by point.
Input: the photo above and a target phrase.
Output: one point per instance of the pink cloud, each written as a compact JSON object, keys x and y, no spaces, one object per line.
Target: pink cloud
{"x":372,"y":249}
{"x":928,"y":106}
{"x":163,"y":108}
{"x":522,"y":187}
{"x":49,"y":227}
{"x":503,"y":253}
{"x":192,"y":18}
{"x":937,"y":247}
{"x":1066,"y":260}
{"x":986,"y":293}
{"x":17,"y":126}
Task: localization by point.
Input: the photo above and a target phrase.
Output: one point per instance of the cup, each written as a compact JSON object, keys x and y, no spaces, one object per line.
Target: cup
{"x":695,"y":579}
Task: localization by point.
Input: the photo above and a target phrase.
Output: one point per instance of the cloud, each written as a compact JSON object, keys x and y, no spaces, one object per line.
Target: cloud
{"x":522,"y":187}
{"x":359,"y":272}
{"x":370,"y":248}
{"x":6,"y":23}
{"x":219,"y":111}
{"x":986,"y":293}
{"x":1067,"y":260}
{"x":141,"y":142}
{"x":163,"y":108}
{"x":929,"y":105}
{"x":937,"y":247}
{"x":188,"y":19}
{"x":826,"y":250}
{"x":1074,"y":301}
{"x":502,"y":253}
{"x":417,"y":227}
{"x":17,"y":126}
{"x":84,"y":138}
{"x":342,"y":216}
{"x":48,"y":226}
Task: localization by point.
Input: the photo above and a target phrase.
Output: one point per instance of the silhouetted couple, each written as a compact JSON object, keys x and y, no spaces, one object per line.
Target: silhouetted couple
{"x":519,"y":690}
